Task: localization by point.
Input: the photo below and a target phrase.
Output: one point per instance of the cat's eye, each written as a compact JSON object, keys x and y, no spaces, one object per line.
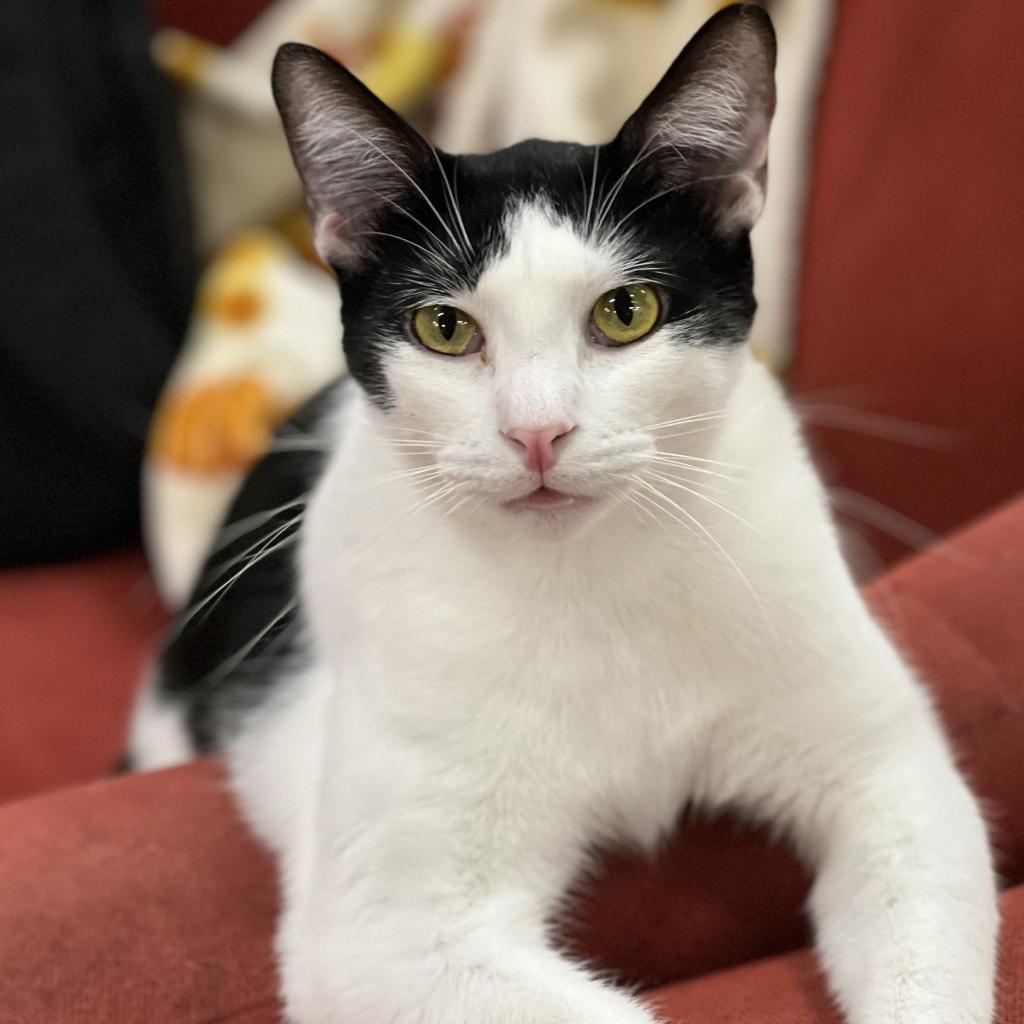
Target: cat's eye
{"x":626,"y":314}
{"x":447,"y":330}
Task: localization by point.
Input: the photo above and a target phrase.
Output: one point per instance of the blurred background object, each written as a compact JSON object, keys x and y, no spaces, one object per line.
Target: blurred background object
{"x":97,"y":271}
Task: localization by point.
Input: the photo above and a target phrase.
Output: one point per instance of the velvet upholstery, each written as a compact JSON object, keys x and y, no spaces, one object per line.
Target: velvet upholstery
{"x":74,"y":639}
{"x":910,"y":299}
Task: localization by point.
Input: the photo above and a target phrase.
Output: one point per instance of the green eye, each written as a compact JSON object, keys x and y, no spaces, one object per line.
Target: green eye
{"x":626,"y":314}
{"x":447,"y":330}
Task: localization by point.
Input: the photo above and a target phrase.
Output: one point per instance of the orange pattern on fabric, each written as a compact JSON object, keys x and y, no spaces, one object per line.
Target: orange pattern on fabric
{"x":236,"y":306}
{"x":217,"y":427}
{"x":231,"y":291}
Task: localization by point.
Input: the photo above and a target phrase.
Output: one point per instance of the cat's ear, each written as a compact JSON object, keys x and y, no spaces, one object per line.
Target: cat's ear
{"x":354,"y":154}
{"x":706,"y":122}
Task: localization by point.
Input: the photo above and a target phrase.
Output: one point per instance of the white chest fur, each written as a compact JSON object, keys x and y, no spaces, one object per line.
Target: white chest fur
{"x":581,"y":677}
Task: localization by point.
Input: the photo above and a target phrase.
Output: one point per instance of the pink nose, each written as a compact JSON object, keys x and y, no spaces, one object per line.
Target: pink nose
{"x":538,"y":445}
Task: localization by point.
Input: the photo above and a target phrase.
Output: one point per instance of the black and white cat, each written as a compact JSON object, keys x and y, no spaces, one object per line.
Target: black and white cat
{"x":556,"y":568}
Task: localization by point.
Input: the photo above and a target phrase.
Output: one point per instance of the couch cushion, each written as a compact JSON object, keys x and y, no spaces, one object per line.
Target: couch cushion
{"x":137,"y":899}
{"x":73,"y":643}
{"x":911,"y":303}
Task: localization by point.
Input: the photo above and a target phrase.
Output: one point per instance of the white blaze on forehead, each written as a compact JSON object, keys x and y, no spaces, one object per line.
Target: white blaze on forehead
{"x":541,"y":286}
{"x":533,"y":303}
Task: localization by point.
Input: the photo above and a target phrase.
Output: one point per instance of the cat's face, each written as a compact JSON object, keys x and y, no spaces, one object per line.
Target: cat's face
{"x":535,"y":326}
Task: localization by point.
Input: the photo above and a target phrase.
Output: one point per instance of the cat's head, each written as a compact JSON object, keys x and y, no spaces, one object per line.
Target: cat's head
{"x":534,"y":326}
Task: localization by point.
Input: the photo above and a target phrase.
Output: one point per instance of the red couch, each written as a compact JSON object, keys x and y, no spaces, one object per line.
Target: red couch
{"x":143,"y":898}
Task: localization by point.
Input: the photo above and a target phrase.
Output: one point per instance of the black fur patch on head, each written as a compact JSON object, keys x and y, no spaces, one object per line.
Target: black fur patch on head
{"x":419,"y":252}
{"x":676,"y":191}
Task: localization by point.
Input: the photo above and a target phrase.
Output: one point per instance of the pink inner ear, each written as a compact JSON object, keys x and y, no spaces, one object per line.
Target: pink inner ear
{"x":330,"y":237}
{"x":741,"y":199}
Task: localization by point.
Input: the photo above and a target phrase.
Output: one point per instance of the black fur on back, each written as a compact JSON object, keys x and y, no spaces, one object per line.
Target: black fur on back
{"x":243,"y":622}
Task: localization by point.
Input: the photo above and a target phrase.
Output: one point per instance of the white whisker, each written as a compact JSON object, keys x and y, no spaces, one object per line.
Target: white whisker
{"x":710,"y":462}
{"x":426,"y":433}
{"x":711,"y":537}
{"x":694,"y":418}
{"x":467,"y":249}
{"x":436,"y":495}
{"x":405,"y":174}
{"x":452,"y":253}
{"x":896,"y":525}
{"x":606,"y":205}
{"x":260,"y":544}
{"x":411,"y":449}
{"x":703,"y":497}
{"x":671,"y":470}
{"x":213,"y":598}
{"x":681,"y":461}
{"x":632,"y":498}
{"x":593,"y":190}
{"x":420,"y":474}
{"x":221,"y":671}
{"x":876,"y":424}
{"x":435,"y":258}
{"x":241,"y":527}
{"x":687,"y":433}
{"x":658,"y":195}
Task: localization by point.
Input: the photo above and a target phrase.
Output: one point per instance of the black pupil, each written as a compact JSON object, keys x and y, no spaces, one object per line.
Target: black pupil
{"x":622,"y":303}
{"x":447,"y":321}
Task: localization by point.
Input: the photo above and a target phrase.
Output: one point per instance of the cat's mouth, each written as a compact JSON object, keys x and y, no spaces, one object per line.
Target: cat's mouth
{"x":547,"y":499}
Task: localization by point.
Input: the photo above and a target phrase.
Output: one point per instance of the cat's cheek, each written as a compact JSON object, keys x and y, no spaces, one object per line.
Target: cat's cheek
{"x":658,"y":381}
{"x":436,"y":393}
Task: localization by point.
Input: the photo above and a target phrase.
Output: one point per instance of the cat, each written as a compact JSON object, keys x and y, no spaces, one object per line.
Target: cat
{"x":553,"y":565}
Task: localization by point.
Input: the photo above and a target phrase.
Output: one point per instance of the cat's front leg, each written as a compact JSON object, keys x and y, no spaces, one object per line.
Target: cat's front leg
{"x":327,"y":980}
{"x":904,"y":901}
{"x":410,"y":909}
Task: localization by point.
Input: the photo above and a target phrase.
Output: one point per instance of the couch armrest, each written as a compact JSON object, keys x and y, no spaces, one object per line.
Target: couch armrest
{"x":142,"y":898}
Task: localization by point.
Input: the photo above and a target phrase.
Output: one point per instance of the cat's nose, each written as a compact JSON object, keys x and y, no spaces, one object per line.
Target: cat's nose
{"x":539,"y":445}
